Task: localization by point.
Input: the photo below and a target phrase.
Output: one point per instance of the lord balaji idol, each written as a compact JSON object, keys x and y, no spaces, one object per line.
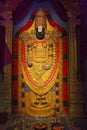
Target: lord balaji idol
{"x":40,"y":67}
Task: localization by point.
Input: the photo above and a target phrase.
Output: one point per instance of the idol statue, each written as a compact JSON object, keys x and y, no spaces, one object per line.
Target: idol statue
{"x":40,"y":61}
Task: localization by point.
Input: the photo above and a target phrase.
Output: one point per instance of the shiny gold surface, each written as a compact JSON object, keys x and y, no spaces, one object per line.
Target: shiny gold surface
{"x":40,"y":61}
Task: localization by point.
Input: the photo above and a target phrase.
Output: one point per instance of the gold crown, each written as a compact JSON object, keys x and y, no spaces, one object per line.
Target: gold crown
{"x":40,"y":13}
{"x":40,"y":18}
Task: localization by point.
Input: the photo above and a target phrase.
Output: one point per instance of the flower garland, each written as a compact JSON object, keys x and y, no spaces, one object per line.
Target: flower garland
{"x":15,"y":61}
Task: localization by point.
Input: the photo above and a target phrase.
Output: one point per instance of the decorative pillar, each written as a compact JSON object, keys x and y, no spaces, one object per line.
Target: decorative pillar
{"x":73,"y":11}
{"x":6,"y":21}
{"x":75,"y":85}
{"x":6,"y":84}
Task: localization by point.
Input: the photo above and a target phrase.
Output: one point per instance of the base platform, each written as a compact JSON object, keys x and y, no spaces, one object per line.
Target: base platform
{"x":24,"y":122}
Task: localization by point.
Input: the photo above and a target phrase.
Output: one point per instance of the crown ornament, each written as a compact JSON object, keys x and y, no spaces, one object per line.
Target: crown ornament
{"x":40,"y":19}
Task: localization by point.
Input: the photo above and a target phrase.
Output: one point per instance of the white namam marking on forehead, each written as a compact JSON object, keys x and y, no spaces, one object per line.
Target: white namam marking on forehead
{"x":39,"y":28}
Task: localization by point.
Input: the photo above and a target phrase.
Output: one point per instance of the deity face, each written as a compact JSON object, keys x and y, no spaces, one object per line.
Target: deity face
{"x":40,"y":32}
{"x":40,"y":24}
